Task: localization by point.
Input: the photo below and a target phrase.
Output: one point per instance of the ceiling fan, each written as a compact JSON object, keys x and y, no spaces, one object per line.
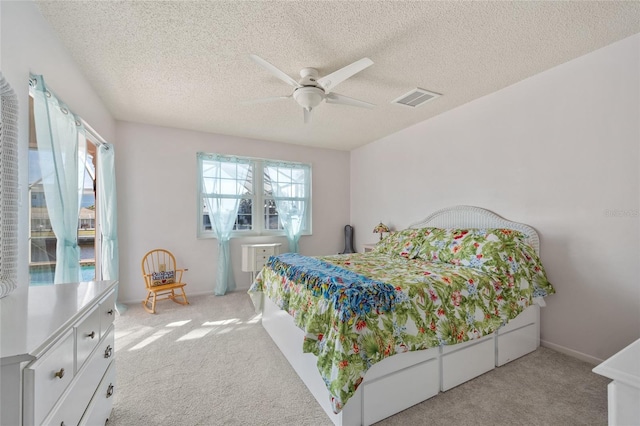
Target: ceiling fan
{"x":310,"y":91}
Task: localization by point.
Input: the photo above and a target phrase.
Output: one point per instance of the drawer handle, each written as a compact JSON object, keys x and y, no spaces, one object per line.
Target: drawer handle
{"x":92,"y":334}
{"x":109,"y":312}
{"x":110,"y":390}
{"x":108,"y":352}
{"x":59,"y":374}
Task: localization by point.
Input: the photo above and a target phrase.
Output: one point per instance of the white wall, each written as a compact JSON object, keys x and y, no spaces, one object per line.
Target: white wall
{"x":556,"y":151}
{"x":157,"y":199}
{"x":29,"y":45}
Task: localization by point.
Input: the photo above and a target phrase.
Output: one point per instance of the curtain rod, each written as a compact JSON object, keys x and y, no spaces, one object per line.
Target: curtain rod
{"x":99,"y":139}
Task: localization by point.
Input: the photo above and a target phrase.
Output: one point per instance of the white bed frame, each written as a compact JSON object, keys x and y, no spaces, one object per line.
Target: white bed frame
{"x":403,"y":380}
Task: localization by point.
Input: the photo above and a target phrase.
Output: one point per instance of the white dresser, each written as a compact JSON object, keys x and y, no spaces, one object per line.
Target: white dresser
{"x":624,"y":390}
{"x":255,"y":256}
{"x":57,"y":354}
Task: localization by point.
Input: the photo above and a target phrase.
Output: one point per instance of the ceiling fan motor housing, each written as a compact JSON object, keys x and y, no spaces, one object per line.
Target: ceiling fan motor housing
{"x":308,"y":97}
{"x":309,"y":76}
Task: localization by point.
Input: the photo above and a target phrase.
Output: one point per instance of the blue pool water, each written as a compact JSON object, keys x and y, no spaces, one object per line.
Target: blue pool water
{"x":43,"y":275}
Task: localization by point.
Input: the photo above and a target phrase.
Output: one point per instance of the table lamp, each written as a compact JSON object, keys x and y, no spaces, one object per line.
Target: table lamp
{"x":380,"y":228}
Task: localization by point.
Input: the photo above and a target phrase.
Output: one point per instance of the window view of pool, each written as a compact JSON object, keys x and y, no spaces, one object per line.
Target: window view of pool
{"x":43,"y":275}
{"x":42,"y":239}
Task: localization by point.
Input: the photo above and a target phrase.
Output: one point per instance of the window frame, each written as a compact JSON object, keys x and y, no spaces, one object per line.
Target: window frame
{"x":257,"y":197}
{"x":50,"y":264}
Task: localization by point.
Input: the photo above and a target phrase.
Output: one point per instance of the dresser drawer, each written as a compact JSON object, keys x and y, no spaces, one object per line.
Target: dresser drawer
{"x":99,"y":409}
{"x":46,"y":379}
{"x":107,"y":312}
{"x":261,"y":260}
{"x":73,"y":403}
{"x":87,"y":336}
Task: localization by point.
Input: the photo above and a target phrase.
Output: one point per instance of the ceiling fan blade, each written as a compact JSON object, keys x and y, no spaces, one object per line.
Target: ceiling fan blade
{"x":264,"y":100}
{"x":334,"y":98}
{"x":307,"y":115}
{"x":330,"y":81}
{"x":275,"y":71}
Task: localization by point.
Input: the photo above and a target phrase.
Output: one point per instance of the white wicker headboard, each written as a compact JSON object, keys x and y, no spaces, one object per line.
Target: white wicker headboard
{"x":476,"y":217}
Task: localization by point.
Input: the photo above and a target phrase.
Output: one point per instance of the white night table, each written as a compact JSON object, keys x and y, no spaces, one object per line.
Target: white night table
{"x":624,"y":390}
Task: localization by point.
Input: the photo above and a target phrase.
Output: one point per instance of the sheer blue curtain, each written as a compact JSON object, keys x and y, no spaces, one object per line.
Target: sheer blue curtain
{"x":224,"y":180}
{"x":61,"y":142}
{"x":291,"y":188}
{"x":108,"y":215}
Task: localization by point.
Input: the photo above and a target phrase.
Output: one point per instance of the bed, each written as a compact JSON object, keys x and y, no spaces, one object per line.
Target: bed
{"x":431,"y":307}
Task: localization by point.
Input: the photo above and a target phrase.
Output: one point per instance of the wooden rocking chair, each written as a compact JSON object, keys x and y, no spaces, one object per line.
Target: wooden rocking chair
{"x":162,"y":279}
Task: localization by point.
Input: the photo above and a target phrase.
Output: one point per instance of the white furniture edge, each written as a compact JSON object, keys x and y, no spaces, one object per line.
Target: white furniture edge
{"x":46,"y":331}
{"x":34,"y":321}
{"x":624,"y":366}
{"x":524,"y":328}
{"x":624,"y":391}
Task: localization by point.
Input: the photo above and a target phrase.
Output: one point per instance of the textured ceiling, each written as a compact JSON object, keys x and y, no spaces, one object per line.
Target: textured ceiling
{"x":186,"y":64}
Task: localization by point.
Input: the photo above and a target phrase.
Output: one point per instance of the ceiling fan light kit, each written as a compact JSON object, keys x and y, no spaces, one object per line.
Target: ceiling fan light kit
{"x":310,"y":91}
{"x":308,"y":97}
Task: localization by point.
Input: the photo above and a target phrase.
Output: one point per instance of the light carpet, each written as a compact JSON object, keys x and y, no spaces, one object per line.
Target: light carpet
{"x":212,"y":363}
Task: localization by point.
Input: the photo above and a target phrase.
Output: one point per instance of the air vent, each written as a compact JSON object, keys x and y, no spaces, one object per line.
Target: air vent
{"x":415,"y":98}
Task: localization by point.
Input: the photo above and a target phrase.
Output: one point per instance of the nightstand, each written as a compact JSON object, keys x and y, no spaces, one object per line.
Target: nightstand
{"x":368,"y":247}
{"x":255,"y":256}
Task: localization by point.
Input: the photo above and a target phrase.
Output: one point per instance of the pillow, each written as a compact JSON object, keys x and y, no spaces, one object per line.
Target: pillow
{"x":405,"y":243}
{"x":484,"y":249}
{"x":503,"y":253}
{"x":162,"y":278}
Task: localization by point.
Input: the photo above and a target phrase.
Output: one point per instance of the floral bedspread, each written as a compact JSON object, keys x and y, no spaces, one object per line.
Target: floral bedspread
{"x":435,"y":303}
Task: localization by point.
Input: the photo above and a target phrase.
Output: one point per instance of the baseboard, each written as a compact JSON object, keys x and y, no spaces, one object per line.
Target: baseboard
{"x":573,"y":353}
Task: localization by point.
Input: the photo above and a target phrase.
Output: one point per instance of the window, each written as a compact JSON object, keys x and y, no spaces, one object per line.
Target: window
{"x":42,"y":239}
{"x":258,"y":186}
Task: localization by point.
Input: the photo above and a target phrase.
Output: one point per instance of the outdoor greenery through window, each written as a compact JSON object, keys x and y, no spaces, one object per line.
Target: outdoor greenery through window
{"x":259,"y":186}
